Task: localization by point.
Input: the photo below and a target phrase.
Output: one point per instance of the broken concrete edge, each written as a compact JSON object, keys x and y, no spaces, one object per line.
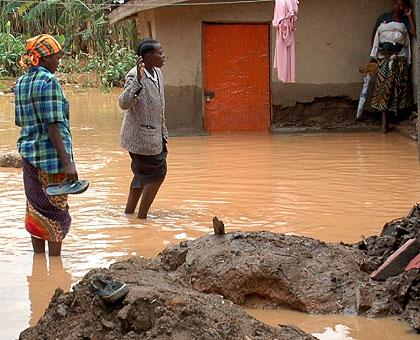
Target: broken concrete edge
{"x":397,"y":262}
{"x":188,"y":133}
{"x":278,"y":130}
{"x":414,"y":264}
{"x":405,"y":133}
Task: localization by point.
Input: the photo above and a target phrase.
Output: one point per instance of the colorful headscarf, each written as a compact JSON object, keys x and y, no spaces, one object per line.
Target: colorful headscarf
{"x":42,"y":45}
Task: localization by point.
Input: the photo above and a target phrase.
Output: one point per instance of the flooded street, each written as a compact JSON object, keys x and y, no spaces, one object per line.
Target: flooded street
{"x":334,"y":187}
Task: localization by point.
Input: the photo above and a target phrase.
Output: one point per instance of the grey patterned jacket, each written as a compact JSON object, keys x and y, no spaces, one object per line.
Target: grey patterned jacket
{"x":143,"y":127}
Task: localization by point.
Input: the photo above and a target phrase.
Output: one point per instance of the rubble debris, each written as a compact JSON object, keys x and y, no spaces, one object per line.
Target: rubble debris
{"x":396,"y":263}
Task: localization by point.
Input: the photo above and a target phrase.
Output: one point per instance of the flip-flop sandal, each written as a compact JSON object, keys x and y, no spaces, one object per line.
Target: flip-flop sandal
{"x":109,"y":291}
{"x":75,"y":187}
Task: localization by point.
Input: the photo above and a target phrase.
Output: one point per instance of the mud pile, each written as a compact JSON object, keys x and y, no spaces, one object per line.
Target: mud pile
{"x":192,"y":290}
{"x":11,"y":160}
{"x":159,"y":305}
{"x":266,"y":270}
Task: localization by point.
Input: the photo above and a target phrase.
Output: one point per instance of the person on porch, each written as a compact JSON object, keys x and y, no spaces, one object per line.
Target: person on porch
{"x":391,"y":51}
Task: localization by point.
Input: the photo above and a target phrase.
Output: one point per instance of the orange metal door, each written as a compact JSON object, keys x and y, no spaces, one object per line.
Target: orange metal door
{"x":236,"y":79}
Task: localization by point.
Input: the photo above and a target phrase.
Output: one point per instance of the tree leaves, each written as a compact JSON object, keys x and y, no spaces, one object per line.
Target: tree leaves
{"x":83,"y":23}
{"x":12,"y":6}
{"x":40,"y":9}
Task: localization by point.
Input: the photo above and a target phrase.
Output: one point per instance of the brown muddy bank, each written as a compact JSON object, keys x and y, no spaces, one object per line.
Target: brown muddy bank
{"x":159,"y":305}
{"x":193,"y":290}
{"x":10,"y":160}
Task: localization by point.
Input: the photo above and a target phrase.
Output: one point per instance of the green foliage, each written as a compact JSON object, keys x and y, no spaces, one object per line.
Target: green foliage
{"x":81,"y":26}
{"x":83,"y":23}
{"x":3,"y":72}
{"x":38,"y":10}
{"x":11,"y":48}
{"x":69,"y":64}
{"x":3,"y":87}
{"x":112,"y":66}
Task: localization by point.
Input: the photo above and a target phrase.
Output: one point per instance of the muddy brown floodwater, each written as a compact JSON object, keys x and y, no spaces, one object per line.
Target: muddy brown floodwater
{"x":334,"y":187}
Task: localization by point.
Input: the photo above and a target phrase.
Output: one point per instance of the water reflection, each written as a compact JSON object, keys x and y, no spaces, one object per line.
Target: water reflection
{"x":338,"y":327}
{"x":339,"y":332}
{"x":43,"y":282}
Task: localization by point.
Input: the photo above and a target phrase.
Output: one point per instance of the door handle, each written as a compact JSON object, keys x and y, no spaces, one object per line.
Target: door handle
{"x":209,"y":95}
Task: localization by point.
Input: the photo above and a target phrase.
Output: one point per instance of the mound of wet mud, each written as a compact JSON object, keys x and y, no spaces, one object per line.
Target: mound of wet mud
{"x":193,"y":290}
{"x":11,"y":160}
{"x":266,"y":270}
{"x":159,"y":305}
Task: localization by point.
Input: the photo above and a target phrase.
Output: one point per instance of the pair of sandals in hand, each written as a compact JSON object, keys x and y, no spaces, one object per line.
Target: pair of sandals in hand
{"x":66,"y":188}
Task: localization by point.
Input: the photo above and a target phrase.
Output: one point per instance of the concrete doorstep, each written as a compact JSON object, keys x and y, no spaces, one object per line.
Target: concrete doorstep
{"x":397,"y":262}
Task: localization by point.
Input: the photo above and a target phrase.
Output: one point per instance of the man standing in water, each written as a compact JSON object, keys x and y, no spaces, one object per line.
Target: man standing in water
{"x":143,"y":132}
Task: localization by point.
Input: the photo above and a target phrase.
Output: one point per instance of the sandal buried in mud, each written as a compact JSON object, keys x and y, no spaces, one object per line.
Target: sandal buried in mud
{"x":76,"y":187}
{"x":109,"y":290}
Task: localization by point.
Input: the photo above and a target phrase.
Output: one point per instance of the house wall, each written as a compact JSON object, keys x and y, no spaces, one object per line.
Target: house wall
{"x":333,"y":39}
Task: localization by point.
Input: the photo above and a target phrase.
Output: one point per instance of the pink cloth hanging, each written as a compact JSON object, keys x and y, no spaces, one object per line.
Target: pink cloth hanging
{"x":285,"y":17}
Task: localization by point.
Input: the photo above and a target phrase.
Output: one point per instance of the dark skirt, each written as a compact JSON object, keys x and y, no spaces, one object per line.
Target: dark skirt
{"x":392,"y":88}
{"x":47,"y":217}
{"x":148,"y":169}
